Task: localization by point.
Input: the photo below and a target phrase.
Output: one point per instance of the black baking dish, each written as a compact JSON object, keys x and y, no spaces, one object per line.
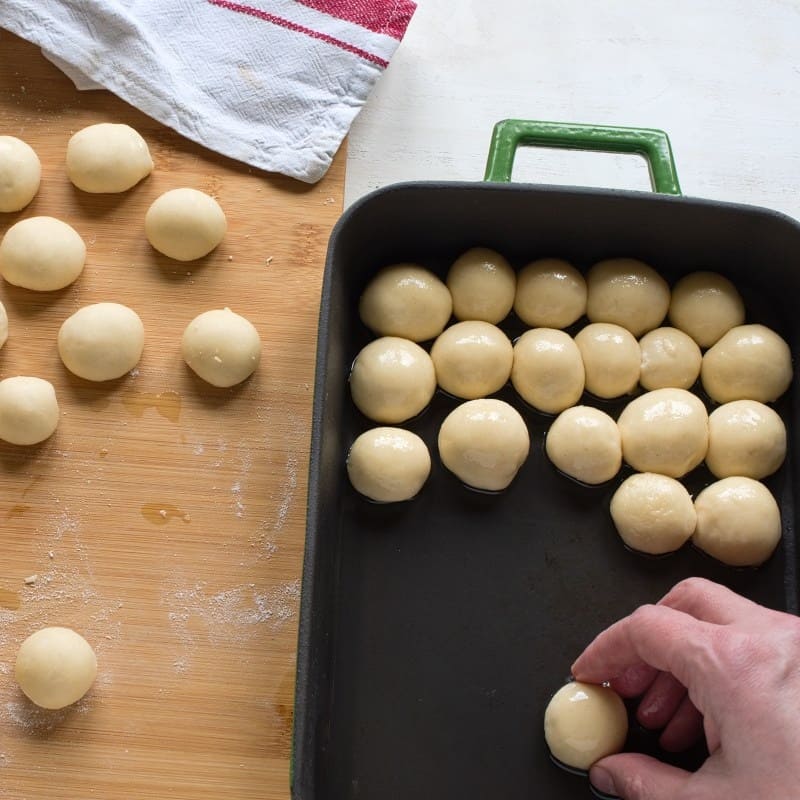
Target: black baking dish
{"x":433,"y":632}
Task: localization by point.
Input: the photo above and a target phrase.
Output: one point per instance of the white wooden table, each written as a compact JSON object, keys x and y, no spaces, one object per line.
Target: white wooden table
{"x":722,"y":77}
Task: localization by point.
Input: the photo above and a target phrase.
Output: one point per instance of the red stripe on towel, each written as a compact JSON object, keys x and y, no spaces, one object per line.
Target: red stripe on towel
{"x":389,"y":17}
{"x":239,"y":8}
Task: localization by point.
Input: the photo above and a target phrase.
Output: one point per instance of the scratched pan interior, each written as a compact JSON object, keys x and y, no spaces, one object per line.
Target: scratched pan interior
{"x":434,"y":631}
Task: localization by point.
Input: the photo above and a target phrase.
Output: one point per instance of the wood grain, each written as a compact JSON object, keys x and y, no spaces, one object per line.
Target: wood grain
{"x":164,"y":520}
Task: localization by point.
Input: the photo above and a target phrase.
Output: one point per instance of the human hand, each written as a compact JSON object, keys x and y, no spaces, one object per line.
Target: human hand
{"x":704,"y":658}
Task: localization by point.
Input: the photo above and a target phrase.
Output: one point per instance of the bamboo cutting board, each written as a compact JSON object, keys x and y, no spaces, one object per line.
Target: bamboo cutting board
{"x":164,"y":520}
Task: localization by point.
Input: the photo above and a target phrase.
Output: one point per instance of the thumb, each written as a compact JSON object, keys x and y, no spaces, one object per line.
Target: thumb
{"x":633,"y":776}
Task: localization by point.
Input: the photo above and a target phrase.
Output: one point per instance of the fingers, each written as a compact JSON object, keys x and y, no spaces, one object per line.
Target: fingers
{"x":662,"y":637}
{"x":708,"y":601}
{"x":684,"y":729}
{"x":635,"y":680}
{"x":661,"y":701}
{"x":632,"y":776}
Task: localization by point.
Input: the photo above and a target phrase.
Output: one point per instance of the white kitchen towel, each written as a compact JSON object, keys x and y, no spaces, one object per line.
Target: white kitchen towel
{"x":273,"y":83}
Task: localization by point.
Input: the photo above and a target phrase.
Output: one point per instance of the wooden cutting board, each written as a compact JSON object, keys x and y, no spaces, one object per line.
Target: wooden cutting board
{"x":164,"y":520}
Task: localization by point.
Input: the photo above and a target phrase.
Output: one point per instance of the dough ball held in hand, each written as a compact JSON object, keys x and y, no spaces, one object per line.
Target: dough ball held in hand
{"x":750,"y":362}
{"x":20,"y":174}
{"x":185,"y":224}
{"x":652,"y":513}
{"x":472,"y":359}
{"x":746,"y":438}
{"x":42,"y":254}
{"x":28,"y":410}
{"x":407,"y":301}
{"x":547,"y":371}
{"x":551,"y":293}
{"x":705,"y":305}
{"x":664,"y":431}
{"x":101,"y":342}
{"x":222,"y":347}
{"x":670,"y":359}
{"x":627,"y":292}
{"x":584,"y":723}
{"x":484,"y":443}
{"x":738,"y":522}
{"x":107,"y":157}
{"x":482,"y":284}
{"x":611,"y":357}
{"x":55,"y":667}
{"x":388,"y":465}
{"x":584,"y":443}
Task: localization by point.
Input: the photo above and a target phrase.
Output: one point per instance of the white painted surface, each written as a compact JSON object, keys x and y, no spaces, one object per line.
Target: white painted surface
{"x":722,"y":77}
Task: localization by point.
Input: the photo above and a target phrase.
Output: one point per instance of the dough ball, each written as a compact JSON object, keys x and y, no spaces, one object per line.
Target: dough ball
{"x":101,"y":342}
{"x":185,"y":224}
{"x":670,"y":359}
{"x":482,"y":284}
{"x":20,"y":174}
{"x":705,"y":305}
{"x":611,"y":357}
{"x":627,"y":292}
{"x":222,"y":347}
{"x":28,"y":410}
{"x":584,"y":443}
{"x":107,"y":158}
{"x":664,"y":431}
{"x":750,"y":362}
{"x":392,"y":380}
{"x":551,"y":293}
{"x":548,"y":370}
{"x":738,"y":522}
{"x":3,"y":325}
{"x":472,"y":359}
{"x":584,"y":723}
{"x":388,"y":465}
{"x":55,"y":667}
{"x":406,"y":300}
{"x":484,"y":443}
{"x":41,"y":253}
{"x":653,"y":513}
{"x":746,"y":438}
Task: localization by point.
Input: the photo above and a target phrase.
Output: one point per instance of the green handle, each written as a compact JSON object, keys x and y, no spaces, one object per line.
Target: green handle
{"x":653,"y":144}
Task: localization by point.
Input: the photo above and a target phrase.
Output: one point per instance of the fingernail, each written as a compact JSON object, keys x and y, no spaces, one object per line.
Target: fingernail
{"x":602,"y":780}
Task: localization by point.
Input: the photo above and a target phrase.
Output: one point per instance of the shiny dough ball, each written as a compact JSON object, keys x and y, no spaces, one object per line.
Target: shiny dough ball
{"x":41,"y":253}
{"x":482,"y":285}
{"x":584,"y":723}
{"x":750,"y":362}
{"x":705,"y":305}
{"x":20,"y":174}
{"x":3,"y":325}
{"x":107,"y":157}
{"x":584,"y":443}
{"x":611,"y":357}
{"x":388,"y":465}
{"x":221,"y":347}
{"x":670,"y":359}
{"x":55,"y":667}
{"x":185,"y":224}
{"x":101,"y":342}
{"x":28,"y":410}
{"x":551,"y":293}
{"x":406,"y":300}
{"x":664,"y":431}
{"x":472,"y":359}
{"x":745,"y":438}
{"x":484,"y":443}
{"x":653,"y":513}
{"x":627,"y":292}
{"x":392,"y":380}
{"x":547,"y":371}
{"x":738,"y":522}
